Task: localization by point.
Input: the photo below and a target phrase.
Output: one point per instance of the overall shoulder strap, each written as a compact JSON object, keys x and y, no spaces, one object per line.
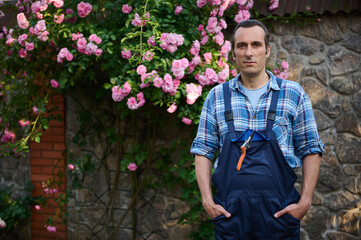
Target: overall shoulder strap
{"x":273,"y":108}
{"x":228,"y":114}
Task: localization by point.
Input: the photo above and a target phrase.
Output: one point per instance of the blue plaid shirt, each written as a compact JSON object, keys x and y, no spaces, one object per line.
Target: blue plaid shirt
{"x":295,"y":124}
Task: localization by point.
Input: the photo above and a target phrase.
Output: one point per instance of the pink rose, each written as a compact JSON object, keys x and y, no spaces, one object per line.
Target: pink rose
{"x":204,"y":40}
{"x":186,"y":121}
{"x":54,"y":83}
{"x":37,"y":207}
{"x":40,"y":26}
{"x":132,"y":166}
{"x":132,"y":103}
{"x":212,"y":24}
{"x":126,"y":8}
{"x":71,"y":166}
{"x":44,"y":36}
{"x":151,"y":41}
{"x":141,"y":69}
{"x":76,"y":36}
{"x":2,"y":223}
{"x":84,"y":9}
{"x":219,"y":38}
{"x":8,"y":136}
{"x":58,"y":3}
{"x":58,"y":18}
{"x":233,"y":72}
{"x":126,"y":89}
{"x":158,"y":82}
{"x":29,"y":46}
{"x":98,"y":52}
{"x":136,"y":21}
{"x":172,"y":108}
{"x":95,"y":39}
{"x":81,"y":43}
{"x":284,"y":65}
{"x":141,"y":99}
{"x":22,"y":21}
{"x":201,"y":3}
{"x":9,"y":41}
{"x":193,"y":92}
{"x":35,"y":109}
{"x":22,"y":52}
{"x":24,"y":123}
{"x":127,"y":54}
{"x":207,"y":57}
{"x":274,"y":5}
{"x":148,"y":56}
{"x":178,"y":10}
{"x":69,"y":56}
{"x":242,"y":15}
{"x":51,"y":228}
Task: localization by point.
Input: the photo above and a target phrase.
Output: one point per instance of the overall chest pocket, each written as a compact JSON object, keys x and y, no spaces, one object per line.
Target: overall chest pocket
{"x":281,"y":127}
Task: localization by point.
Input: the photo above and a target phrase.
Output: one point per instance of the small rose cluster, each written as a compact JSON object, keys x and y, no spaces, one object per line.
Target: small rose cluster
{"x":64,"y":53}
{"x":87,"y":48}
{"x":127,"y":54}
{"x":84,"y":9}
{"x":170,"y":41}
{"x":132,"y":167}
{"x":118,"y":93}
{"x":8,"y":136}
{"x":283,"y":71}
{"x":126,"y":9}
{"x":193,"y":92}
{"x":135,"y":103}
{"x":139,"y":22}
{"x":178,"y":67}
{"x":2,"y":223}
{"x":274,"y":5}
{"x":172,"y":108}
{"x":24,"y":123}
{"x":22,"y":21}
{"x":50,"y":228}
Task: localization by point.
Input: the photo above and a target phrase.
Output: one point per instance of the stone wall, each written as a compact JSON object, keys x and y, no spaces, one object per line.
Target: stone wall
{"x":15,"y":173}
{"x":325,"y":59}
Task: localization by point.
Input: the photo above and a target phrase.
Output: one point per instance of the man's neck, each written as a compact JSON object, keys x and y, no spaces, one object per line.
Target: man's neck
{"x":254,"y":82}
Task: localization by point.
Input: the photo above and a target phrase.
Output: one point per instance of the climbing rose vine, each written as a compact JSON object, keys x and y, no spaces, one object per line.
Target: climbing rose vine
{"x":136,"y":54}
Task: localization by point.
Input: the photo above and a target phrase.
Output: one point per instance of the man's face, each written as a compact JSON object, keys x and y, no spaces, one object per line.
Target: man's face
{"x":250,"y":51}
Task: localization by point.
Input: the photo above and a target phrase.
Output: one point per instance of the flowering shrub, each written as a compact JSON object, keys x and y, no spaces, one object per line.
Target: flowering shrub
{"x":163,"y":53}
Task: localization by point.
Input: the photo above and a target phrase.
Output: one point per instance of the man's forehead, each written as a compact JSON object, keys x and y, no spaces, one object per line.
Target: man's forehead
{"x":250,"y":34}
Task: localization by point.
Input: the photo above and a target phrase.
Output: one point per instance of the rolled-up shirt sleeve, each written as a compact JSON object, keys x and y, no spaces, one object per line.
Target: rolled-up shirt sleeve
{"x":206,"y":142}
{"x":305,"y":135}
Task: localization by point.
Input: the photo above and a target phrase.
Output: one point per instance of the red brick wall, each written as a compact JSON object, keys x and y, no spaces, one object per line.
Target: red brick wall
{"x":43,"y":156}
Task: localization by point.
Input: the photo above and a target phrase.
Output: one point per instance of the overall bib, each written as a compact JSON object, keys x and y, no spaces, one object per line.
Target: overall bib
{"x":263,"y":186}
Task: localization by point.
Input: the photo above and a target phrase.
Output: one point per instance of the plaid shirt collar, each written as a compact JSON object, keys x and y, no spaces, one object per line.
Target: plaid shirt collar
{"x":235,"y":83}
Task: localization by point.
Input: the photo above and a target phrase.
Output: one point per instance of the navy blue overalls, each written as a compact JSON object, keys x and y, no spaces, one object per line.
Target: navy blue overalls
{"x":263,"y":186}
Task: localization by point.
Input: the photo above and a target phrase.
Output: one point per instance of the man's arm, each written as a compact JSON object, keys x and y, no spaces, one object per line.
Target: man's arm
{"x":310,"y":170}
{"x":204,"y":178}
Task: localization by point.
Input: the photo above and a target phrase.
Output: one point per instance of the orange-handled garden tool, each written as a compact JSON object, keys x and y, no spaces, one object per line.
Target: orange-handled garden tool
{"x":244,"y":147}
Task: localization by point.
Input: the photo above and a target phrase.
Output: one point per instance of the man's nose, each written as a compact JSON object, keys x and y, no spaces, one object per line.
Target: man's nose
{"x":249,"y":51}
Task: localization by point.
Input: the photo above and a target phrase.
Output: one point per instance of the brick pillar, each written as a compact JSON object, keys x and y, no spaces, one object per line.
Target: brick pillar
{"x":43,"y":157}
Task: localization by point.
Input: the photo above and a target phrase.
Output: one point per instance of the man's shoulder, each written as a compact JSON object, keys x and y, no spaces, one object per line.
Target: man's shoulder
{"x":291,"y":85}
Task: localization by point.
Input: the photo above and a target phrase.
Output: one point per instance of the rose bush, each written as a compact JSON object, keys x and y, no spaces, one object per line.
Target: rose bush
{"x":144,"y":53}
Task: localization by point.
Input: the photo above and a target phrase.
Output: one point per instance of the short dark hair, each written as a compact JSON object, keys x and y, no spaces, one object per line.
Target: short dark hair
{"x":247,"y":24}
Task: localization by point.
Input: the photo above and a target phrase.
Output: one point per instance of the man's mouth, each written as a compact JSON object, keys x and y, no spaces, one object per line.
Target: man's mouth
{"x":249,"y":62}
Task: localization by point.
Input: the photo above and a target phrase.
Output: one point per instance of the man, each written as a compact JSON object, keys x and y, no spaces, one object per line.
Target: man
{"x":264,"y":127}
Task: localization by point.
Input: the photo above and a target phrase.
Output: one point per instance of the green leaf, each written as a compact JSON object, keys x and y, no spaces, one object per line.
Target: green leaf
{"x":107,"y":85}
{"x":109,"y":50}
{"x":37,"y":139}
